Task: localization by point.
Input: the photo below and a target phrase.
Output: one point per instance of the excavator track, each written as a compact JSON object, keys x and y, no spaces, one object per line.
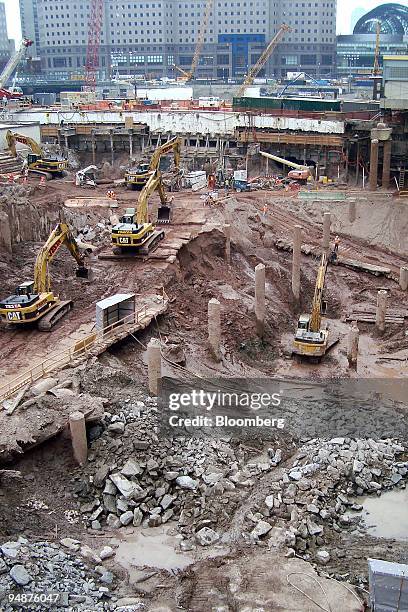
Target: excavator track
{"x":54,"y":315}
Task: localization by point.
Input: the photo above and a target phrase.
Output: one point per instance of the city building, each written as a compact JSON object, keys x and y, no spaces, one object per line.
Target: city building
{"x":148,"y":37}
{"x":6,"y":45}
{"x":355,"y":52}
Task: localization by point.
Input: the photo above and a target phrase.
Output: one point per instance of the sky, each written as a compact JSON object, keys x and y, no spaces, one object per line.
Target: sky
{"x":344,"y":13}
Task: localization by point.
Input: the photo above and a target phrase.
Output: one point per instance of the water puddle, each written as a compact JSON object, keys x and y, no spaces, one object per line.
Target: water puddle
{"x":150,"y":548}
{"x":386,"y":516}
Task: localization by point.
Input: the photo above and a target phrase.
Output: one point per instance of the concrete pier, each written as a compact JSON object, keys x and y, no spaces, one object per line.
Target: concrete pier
{"x":227,"y":233}
{"x":403,"y":279}
{"x":352,"y":350}
{"x":352,"y":212}
{"x":382,"y":298}
{"x":297,"y":244}
{"x":386,"y":165}
{"x":214,"y":328}
{"x":326,"y":231}
{"x":154,"y":365}
{"x":260,"y":299}
{"x":374,"y":165}
{"x":78,"y":437}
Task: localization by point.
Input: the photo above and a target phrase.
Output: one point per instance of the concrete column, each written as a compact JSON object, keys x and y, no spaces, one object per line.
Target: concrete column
{"x":227,"y":233}
{"x":154,"y":365}
{"x":352,"y":211}
{"x":130,"y":145}
{"x":403,"y":281}
{"x":297,"y":244}
{"x":214,"y":328}
{"x":352,"y":351}
{"x":78,"y":437}
{"x":326,"y":231}
{"x":66,"y":141}
{"x":260,"y":299}
{"x":93,"y":149}
{"x":374,"y":165}
{"x":112,"y":149}
{"x":382,"y":297}
{"x":386,"y":165}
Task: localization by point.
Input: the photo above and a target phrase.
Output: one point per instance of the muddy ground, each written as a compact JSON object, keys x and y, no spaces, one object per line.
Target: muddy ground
{"x":45,"y":504}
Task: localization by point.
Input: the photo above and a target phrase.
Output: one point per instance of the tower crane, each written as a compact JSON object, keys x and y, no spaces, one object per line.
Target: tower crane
{"x":94,"y":40}
{"x":263,"y":58}
{"x":188,"y":75}
{"x":11,"y":66}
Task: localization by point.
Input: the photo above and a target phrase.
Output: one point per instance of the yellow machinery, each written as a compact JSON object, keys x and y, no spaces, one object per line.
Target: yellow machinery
{"x":311,"y":338}
{"x":300,"y":173}
{"x":265,"y":55}
{"x":135,"y":234}
{"x":188,"y":75}
{"x":137,"y":178}
{"x":34,"y":301}
{"x":36,"y":161}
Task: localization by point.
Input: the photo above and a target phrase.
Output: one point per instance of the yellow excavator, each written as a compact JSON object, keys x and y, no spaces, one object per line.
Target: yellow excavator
{"x":34,"y":301}
{"x":135,"y":234}
{"x":37,"y":162}
{"x":311,"y":337}
{"x":137,"y":178}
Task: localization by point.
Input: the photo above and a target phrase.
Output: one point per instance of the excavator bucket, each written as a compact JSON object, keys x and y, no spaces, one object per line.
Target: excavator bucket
{"x":164,"y":215}
{"x":82,"y":272}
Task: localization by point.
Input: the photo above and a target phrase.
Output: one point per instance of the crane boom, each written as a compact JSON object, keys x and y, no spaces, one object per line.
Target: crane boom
{"x":283,"y":161}
{"x":14,"y":61}
{"x":59,"y":236}
{"x":94,"y":40}
{"x":188,"y":75}
{"x":265,"y":55}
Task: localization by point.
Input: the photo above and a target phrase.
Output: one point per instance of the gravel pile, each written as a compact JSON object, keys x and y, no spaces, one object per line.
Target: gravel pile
{"x":45,"y":567}
{"x":315,"y":495}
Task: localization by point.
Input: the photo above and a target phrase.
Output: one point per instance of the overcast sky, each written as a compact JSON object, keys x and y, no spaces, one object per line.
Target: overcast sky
{"x":344,"y":14}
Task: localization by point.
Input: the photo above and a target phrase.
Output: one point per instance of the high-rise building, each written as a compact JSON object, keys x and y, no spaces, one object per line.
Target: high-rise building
{"x":147,"y":37}
{"x":6,"y":45}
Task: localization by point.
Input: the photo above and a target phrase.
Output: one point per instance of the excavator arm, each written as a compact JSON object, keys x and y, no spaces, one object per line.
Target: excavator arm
{"x":59,"y":236}
{"x":316,"y":314}
{"x":13,"y":137}
{"x":172,"y":145}
{"x":154,"y":183}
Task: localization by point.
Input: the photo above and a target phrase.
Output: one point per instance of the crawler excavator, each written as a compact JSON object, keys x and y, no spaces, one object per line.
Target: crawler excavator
{"x":311,"y":337}
{"x":135,"y":234}
{"x":137,"y":178}
{"x":34,"y":302}
{"x":37,"y":162}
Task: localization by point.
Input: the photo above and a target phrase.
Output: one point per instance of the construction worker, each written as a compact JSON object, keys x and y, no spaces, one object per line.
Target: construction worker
{"x":264,"y":210}
{"x":336,"y":244}
{"x":111,"y":194}
{"x":211,"y":181}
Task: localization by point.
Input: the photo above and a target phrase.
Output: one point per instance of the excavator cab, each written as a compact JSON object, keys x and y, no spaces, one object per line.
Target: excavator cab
{"x":26,"y":288}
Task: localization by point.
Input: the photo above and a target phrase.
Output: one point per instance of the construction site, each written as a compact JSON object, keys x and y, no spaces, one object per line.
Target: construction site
{"x":246,"y":246}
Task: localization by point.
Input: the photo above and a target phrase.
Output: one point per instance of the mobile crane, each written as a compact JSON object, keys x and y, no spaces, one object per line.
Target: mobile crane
{"x":137,"y":178}
{"x":10,"y":67}
{"x":34,"y":302}
{"x":265,"y":55}
{"x":134,"y":233}
{"x":37,"y":162}
{"x":311,"y":337}
{"x":300,"y":173}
